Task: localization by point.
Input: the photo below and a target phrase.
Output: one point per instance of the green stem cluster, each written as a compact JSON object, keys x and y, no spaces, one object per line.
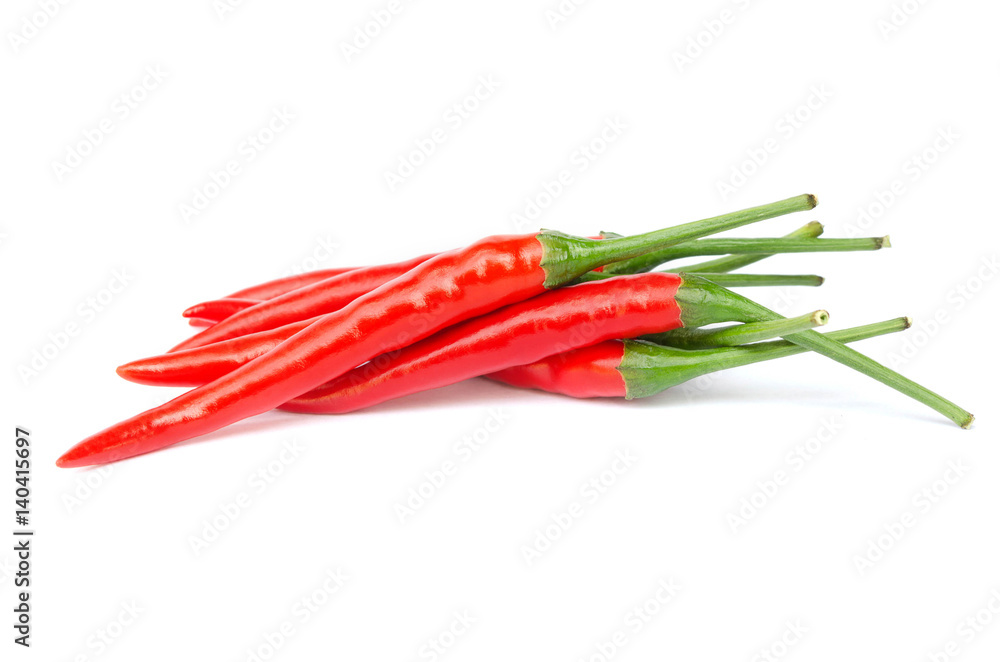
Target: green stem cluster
{"x":565,"y":257}
{"x":810,"y":230}
{"x":764,"y":247}
{"x":648,"y":368}
{"x":713,"y":301}
{"x":738,"y":334}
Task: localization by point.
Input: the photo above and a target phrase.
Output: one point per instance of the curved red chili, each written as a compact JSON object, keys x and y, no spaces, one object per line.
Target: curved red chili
{"x":200,"y":365}
{"x":442,"y":291}
{"x":278,"y":286}
{"x":575,"y":316}
{"x":637,"y":369}
{"x":319,"y":298}
{"x":589,"y":372}
{"x":218,"y":309}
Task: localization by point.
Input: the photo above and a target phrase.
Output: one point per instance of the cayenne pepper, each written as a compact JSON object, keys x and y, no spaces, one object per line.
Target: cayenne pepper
{"x":637,"y":369}
{"x":442,"y":291}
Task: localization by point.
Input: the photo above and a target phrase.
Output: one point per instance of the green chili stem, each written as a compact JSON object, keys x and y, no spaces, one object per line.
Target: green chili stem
{"x":738,"y":334}
{"x":565,"y":257}
{"x":750,"y":311}
{"x":732,"y":280}
{"x":729,"y":263}
{"x":763,"y":280}
{"x":770,"y":246}
{"x":648,"y":368}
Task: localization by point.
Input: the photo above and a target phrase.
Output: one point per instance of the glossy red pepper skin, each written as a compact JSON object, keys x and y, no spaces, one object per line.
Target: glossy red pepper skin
{"x":638,"y":369}
{"x":279,"y":286}
{"x":218,"y":309}
{"x":588,"y":372}
{"x":315,"y":297}
{"x":319,"y":298}
{"x":445,"y":290}
{"x":523,"y":332}
{"x":450,"y":288}
{"x":200,"y":365}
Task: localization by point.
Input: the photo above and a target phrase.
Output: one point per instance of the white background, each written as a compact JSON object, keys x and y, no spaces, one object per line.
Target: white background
{"x":879,"y":98}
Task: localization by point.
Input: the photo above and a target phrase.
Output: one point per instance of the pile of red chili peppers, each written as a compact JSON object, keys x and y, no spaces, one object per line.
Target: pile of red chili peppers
{"x":584,"y":317}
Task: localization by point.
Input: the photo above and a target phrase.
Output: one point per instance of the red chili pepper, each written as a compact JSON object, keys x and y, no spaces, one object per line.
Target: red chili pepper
{"x":429,"y":363}
{"x":218,"y":309}
{"x":329,"y":295}
{"x":319,"y":298}
{"x":575,"y":316}
{"x":637,"y":369}
{"x":445,"y":290}
{"x":200,"y":365}
{"x":279,"y":286}
{"x":589,"y":372}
